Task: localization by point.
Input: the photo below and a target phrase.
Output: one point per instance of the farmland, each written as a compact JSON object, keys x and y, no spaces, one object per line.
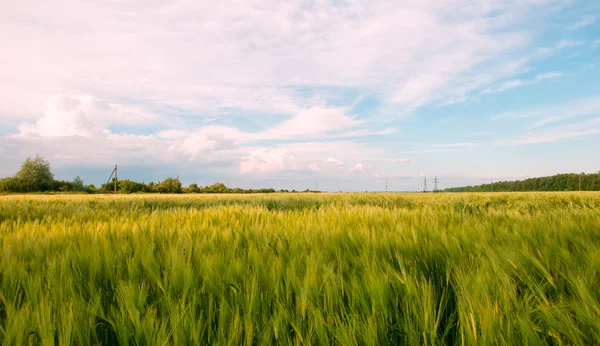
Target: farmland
{"x":501,"y":268}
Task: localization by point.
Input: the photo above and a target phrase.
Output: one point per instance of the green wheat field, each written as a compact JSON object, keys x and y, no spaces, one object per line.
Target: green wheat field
{"x":291,"y":269}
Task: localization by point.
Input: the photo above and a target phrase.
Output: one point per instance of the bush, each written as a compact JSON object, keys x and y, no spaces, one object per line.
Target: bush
{"x":11,"y":184}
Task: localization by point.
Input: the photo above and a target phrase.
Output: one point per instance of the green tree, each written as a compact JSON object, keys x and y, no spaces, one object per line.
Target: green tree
{"x":168,"y":185}
{"x":218,"y":188}
{"x":90,"y":188}
{"x":130,"y":186}
{"x":35,"y":174}
{"x":11,"y":184}
{"x":78,"y":184}
{"x":193,"y":188}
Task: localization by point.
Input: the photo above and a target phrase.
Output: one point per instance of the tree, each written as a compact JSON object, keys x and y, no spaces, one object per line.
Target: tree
{"x":78,"y":184}
{"x":35,"y":174}
{"x":90,"y":188}
{"x":217,"y":188}
{"x":168,"y":185}
{"x":130,"y":186}
{"x":193,"y":188}
{"x":11,"y":184}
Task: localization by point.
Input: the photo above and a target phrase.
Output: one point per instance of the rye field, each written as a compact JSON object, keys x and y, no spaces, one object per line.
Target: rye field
{"x":301,"y":269}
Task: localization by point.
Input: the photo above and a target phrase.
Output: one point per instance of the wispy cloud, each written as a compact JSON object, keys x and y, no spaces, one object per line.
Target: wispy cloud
{"x":555,"y":113}
{"x":269,"y":88}
{"x":521,"y":82}
{"x":583,"y":22}
{"x":427,"y":151}
{"x":457,"y":145}
{"x":259,"y":56}
{"x":585,"y":128}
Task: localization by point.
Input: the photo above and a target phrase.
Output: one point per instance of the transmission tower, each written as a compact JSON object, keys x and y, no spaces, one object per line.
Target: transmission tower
{"x":425,"y":184}
{"x":435,"y":188}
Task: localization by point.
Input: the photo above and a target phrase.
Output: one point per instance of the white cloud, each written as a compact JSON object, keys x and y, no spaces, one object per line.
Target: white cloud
{"x":520,"y":82}
{"x":457,"y":145}
{"x":555,"y":113}
{"x":583,"y":22}
{"x":70,"y":118}
{"x":358,"y":167}
{"x":214,"y":79}
{"x":75,"y":130}
{"x":310,"y":156}
{"x":262,"y":56}
{"x":85,"y":116}
{"x":397,"y":160}
{"x":483,"y":79}
{"x":334,"y":161}
{"x":585,"y":128}
{"x":307,"y":124}
{"x":365,"y":132}
{"x":313,"y":121}
{"x":417,"y":90}
{"x":269,"y":160}
{"x":200,"y":146}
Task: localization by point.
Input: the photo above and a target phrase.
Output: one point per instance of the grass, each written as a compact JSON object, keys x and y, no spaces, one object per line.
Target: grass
{"x":368,"y":269}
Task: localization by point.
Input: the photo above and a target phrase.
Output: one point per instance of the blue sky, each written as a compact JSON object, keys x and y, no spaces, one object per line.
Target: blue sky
{"x":346,"y":94}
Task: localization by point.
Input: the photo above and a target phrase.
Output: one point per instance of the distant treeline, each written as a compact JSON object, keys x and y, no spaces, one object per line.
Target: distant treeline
{"x":171,"y":185}
{"x":559,"y":182}
{"x":35,"y":176}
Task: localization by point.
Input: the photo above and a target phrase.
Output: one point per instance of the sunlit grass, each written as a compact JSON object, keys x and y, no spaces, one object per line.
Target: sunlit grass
{"x":301,"y":269}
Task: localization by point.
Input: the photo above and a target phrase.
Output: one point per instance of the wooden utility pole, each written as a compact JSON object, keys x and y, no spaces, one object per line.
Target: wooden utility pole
{"x":113,"y":173}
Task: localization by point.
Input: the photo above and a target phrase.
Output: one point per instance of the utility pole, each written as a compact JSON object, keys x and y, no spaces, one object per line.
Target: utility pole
{"x":112,"y":174}
{"x":424,"y":184}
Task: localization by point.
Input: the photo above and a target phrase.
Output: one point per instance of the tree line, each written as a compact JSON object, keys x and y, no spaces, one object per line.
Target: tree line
{"x":35,"y":175}
{"x":558,"y":182}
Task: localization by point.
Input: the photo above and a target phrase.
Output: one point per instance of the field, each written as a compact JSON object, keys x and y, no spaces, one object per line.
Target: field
{"x":372,"y":269}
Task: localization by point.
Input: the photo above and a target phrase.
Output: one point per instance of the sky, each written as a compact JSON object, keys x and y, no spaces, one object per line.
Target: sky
{"x":343,"y":95}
